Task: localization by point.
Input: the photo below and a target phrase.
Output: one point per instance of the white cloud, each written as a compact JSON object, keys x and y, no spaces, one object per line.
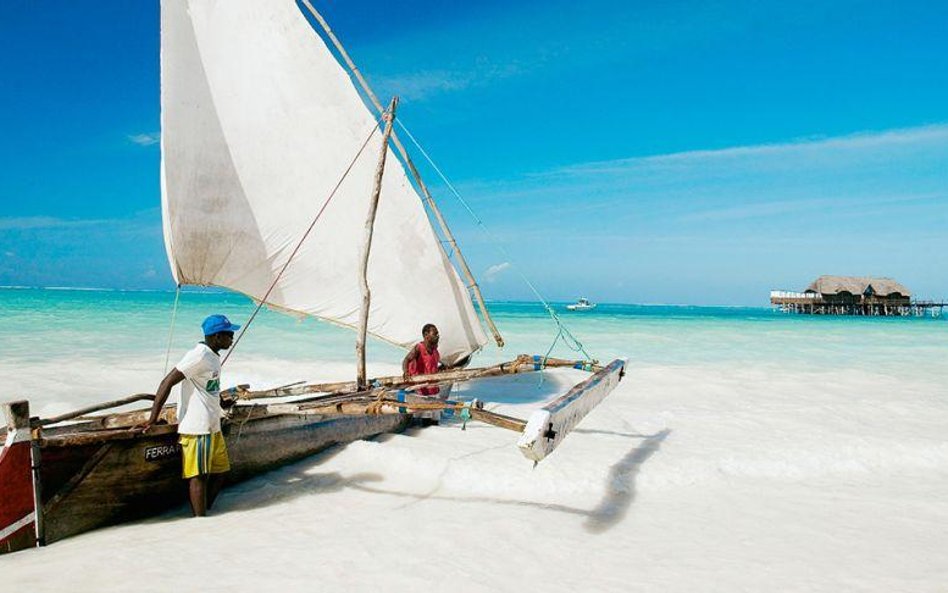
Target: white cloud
{"x":145,"y":139}
{"x":427,"y":83}
{"x":859,"y":142}
{"x":421,"y":85}
{"x":140,"y":223}
{"x":855,"y":205}
{"x":23,"y":223}
{"x":753,"y":181}
{"x":494,"y":271}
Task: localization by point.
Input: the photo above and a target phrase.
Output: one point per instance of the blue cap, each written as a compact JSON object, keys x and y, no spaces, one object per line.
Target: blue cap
{"x":216,"y":324}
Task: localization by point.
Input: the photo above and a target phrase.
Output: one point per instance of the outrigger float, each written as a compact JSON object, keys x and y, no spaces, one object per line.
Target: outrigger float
{"x":267,"y":192}
{"x":69,"y":474}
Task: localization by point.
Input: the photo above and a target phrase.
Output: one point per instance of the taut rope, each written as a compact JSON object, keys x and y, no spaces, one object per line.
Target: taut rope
{"x":174,"y":317}
{"x":568,"y":338}
{"x":300,"y":243}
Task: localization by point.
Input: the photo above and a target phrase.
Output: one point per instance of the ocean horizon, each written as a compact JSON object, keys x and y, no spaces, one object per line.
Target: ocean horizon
{"x":218,"y":290}
{"x":79,"y":330}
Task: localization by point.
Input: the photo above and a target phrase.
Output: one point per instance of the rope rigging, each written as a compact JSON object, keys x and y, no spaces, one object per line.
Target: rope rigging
{"x":174,"y":317}
{"x":562,"y":331}
{"x":296,"y":249}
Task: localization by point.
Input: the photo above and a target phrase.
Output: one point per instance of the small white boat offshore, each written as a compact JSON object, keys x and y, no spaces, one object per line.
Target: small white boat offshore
{"x":582,"y":304}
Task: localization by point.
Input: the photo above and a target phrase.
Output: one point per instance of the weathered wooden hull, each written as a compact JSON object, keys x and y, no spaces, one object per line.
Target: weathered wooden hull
{"x":547,"y":427}
{"x":93,"y":479}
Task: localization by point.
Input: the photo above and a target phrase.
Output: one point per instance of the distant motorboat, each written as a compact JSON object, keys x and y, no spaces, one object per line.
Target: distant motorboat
{"x":582,"y":304}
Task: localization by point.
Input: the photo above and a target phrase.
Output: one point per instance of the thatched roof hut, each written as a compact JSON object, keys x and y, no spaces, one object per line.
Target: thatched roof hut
{"x":858,"y":285}
{"x":854,"y":295}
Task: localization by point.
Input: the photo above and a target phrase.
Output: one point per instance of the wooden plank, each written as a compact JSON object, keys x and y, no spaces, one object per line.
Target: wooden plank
{"x":498,"y":420}
{"x":89,"y":409}
{"x":77,"y":478}
{"x":547,"y":427}
{"x":101,"y":436}
{"x":17,"y":505}
{"x":524,"y":363}
{"x":389,"y":402}
{"x":17,"y":415}
{"x":36,"y":465}
{"x":114,"y":420}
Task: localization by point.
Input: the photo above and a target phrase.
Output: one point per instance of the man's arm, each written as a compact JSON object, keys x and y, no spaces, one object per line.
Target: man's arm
{"x":412,"y":355}
{"x":161,"y":396}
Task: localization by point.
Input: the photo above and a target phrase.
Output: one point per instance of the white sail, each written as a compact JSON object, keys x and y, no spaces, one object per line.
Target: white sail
{"x":259,"y":122}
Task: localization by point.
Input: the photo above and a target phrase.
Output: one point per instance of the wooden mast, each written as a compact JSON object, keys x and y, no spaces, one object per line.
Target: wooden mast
{"x":389,"y":117}
{"x":465,"y":269}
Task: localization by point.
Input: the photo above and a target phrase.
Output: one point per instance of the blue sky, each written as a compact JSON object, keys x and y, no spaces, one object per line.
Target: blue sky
{"x":686,"y":152}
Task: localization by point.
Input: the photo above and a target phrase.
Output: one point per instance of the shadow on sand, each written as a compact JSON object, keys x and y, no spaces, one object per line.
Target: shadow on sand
{"x":294,"y":481}
{"x":289,"y":482}
{"x":620,"y":490}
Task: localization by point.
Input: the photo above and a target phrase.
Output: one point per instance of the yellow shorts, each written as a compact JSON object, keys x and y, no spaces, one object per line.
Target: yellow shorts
{"x":203,"y":454}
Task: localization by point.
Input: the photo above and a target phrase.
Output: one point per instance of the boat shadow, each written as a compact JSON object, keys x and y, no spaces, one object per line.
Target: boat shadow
{"x":628,"y":435}
{"x":620,"y":488}
{"x":288,"y":486}
{"x":295,"y":481}
{"x":284,"y":484}
{"x":289,"y":482}
{"x":610,"y":511}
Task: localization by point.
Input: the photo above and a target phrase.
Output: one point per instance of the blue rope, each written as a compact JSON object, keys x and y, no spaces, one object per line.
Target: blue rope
{"x":562,"y":332}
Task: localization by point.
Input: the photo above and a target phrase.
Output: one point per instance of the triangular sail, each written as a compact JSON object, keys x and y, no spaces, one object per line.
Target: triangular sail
{"x":259,"y":122}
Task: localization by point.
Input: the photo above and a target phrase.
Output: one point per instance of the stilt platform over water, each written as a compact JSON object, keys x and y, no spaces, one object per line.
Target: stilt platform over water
{"x":810,"y":306}
{"x":854,"y":295}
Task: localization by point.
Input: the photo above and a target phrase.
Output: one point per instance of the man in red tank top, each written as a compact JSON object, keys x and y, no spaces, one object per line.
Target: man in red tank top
{"x":424,"y":358}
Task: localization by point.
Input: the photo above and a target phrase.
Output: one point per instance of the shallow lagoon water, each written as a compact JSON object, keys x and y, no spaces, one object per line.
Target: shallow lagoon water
{"x":744,"y":451}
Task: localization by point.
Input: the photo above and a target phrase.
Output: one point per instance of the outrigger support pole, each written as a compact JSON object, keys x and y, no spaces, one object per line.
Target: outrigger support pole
{"x":448,"y":235}
{"x":367,"y":247}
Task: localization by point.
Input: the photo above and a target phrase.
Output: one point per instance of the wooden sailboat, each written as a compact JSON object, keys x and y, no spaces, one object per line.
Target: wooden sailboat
{"x":278,"y":182}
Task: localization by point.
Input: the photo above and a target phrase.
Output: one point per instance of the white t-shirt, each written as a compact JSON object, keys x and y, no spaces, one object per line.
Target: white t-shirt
{"x":199,"y":407}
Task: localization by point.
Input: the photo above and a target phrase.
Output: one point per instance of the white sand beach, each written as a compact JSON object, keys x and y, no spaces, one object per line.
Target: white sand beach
{"x":687,"y":478}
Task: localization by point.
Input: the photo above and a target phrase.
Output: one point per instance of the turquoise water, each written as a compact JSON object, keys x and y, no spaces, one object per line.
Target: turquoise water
{"x":45,"y":324}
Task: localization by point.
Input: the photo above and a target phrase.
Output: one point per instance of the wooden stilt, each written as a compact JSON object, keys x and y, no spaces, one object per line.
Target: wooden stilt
{"x":367,"y":247}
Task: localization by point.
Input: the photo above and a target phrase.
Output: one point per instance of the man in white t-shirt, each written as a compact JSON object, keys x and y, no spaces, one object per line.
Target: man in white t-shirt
{"x":203,"y":450}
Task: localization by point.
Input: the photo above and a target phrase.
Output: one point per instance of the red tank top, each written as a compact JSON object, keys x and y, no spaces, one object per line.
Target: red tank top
{"x":425,"y":364}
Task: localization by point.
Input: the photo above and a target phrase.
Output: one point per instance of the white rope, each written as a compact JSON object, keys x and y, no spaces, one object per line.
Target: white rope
{"x":568,"y":338}
{"x":174,"y":317}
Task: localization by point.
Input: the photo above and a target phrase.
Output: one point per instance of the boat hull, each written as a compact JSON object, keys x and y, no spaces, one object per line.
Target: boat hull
{"x":86,"y":485}
{"x":547,"y":427}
